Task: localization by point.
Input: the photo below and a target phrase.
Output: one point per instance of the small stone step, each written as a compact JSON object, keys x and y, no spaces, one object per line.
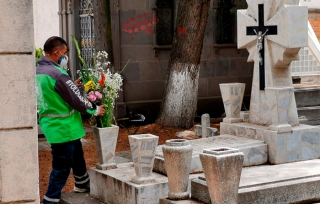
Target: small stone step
{"x":255,"y":151}
{"x":311,"y":113}
{"x":306,"y":97}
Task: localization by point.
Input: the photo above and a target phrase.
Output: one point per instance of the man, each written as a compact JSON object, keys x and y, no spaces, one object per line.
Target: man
{"x":60,"y":104}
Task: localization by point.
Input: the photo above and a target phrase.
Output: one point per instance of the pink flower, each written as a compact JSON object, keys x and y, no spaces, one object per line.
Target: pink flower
{"x":91,"y":96}
{"x":98,"y":95}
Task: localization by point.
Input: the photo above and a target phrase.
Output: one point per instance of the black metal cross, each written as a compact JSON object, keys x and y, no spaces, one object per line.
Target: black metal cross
{"x":269,"y":30}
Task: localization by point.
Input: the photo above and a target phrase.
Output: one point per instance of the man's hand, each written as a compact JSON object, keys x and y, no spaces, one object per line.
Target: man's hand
{"x":101,"y":110}
{"x":78,"y":82}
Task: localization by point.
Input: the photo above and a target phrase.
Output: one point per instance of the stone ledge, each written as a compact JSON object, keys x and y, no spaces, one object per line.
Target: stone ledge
{"x":266,"y":184}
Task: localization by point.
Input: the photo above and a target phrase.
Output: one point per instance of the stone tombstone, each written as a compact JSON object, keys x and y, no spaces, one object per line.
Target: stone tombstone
{"x":232,"y":96}
{"x":205,"y":122}
{"x":19,"y":169}
{"x":273,"y":31}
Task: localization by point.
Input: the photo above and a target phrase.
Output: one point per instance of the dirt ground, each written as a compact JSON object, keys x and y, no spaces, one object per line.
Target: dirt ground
{"x":90,"y":153}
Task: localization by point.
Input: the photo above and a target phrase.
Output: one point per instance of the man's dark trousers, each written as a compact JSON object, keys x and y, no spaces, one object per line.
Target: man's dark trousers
{"x":66,"y":156}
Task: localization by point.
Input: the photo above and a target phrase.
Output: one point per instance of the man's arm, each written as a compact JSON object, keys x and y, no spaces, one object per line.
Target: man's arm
{"x":70,"y":93}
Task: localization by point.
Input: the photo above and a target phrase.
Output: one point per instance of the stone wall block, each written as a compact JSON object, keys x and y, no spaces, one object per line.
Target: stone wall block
{"x":18,"y":165}
{"x":19,"y":18}
{"x":17,"y":79}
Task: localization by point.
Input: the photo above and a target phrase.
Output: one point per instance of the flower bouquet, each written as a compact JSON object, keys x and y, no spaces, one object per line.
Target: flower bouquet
{"x":100,"y":84}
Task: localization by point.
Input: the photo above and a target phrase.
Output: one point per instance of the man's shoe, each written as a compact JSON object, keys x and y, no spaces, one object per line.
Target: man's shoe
{"x":82,"y":189}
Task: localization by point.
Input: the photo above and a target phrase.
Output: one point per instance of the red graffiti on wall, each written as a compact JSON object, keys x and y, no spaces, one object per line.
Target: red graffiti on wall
{"x":140,"y":22}
{"x":182,"y":30}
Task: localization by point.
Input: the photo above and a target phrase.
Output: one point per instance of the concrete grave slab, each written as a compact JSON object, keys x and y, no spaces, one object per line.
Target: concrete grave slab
{"x":255,"y":151}
{"x":115,"y":186}
{"x":297,"y":182}
{"x":302,"y":143}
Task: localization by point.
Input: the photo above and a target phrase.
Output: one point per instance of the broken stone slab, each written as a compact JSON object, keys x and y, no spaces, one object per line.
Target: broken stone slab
{"x":211,"y":131}
{"x":255,"y":151}
{"x":115,"y":186}
{"x":268,"y":184}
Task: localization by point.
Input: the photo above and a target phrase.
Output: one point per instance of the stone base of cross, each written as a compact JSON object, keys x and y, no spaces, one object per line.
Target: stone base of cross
{"x":273,"y":31}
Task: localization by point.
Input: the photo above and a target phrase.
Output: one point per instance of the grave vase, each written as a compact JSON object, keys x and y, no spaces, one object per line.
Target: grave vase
{"x":222,"y":169}
{"x":232,"y":96}
{"x":106,"y":141}
{"x":143,"y":150}
{"x":177,"y":155}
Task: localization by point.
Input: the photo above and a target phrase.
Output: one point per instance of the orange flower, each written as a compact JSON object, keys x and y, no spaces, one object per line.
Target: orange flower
{"x":103,"y":78}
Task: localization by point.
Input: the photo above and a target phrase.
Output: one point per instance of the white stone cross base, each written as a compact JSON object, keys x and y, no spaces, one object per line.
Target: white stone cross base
{"x":282,"y":108}
{"x":106,"y":166}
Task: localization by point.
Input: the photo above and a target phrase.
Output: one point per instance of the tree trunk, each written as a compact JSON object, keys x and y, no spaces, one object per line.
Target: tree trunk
{"x":180,"y":97}
{"x":102,"y":28}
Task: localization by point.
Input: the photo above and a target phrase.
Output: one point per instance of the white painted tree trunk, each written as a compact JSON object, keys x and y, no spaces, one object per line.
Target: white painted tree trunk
{"x":180,"y":101}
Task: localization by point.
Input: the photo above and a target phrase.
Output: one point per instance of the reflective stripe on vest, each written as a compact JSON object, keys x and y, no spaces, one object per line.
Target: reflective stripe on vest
{"x":56,"y":115}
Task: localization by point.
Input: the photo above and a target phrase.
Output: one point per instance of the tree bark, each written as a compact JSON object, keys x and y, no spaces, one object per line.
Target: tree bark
{"x":180,"y":97}
{"x":102,"y":27}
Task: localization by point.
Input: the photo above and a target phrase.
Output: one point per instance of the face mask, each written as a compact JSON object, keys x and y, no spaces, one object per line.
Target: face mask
{"x":63,"y":61}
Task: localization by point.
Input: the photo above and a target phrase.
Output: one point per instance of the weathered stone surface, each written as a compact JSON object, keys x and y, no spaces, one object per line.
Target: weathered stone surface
{"x":177,"y":158}
{"x":19,"y":165}
{"x":264,"y":184}
{"x":299,"y":145}
{"x":279,"y":100}
{"x":205,"y":122}
{"x":222,"y":169}
{"x":17,"y":78}
{"x":244,"y":115}
{"x":16,"y":34}
{"x":115,"y":186}
{"x":212,"y":131}
{"x":255,"y":151}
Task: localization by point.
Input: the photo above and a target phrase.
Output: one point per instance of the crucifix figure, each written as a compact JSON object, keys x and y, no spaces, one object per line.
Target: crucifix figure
{"x":273,"y":31}
{"x":260,"y":39}
{"x":262,"y":30}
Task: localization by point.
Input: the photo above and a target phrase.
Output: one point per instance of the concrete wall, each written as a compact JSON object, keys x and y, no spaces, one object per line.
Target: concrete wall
{"x":144,"y":77}
{"x":19,"y":172}
{"x":46,"y":20}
